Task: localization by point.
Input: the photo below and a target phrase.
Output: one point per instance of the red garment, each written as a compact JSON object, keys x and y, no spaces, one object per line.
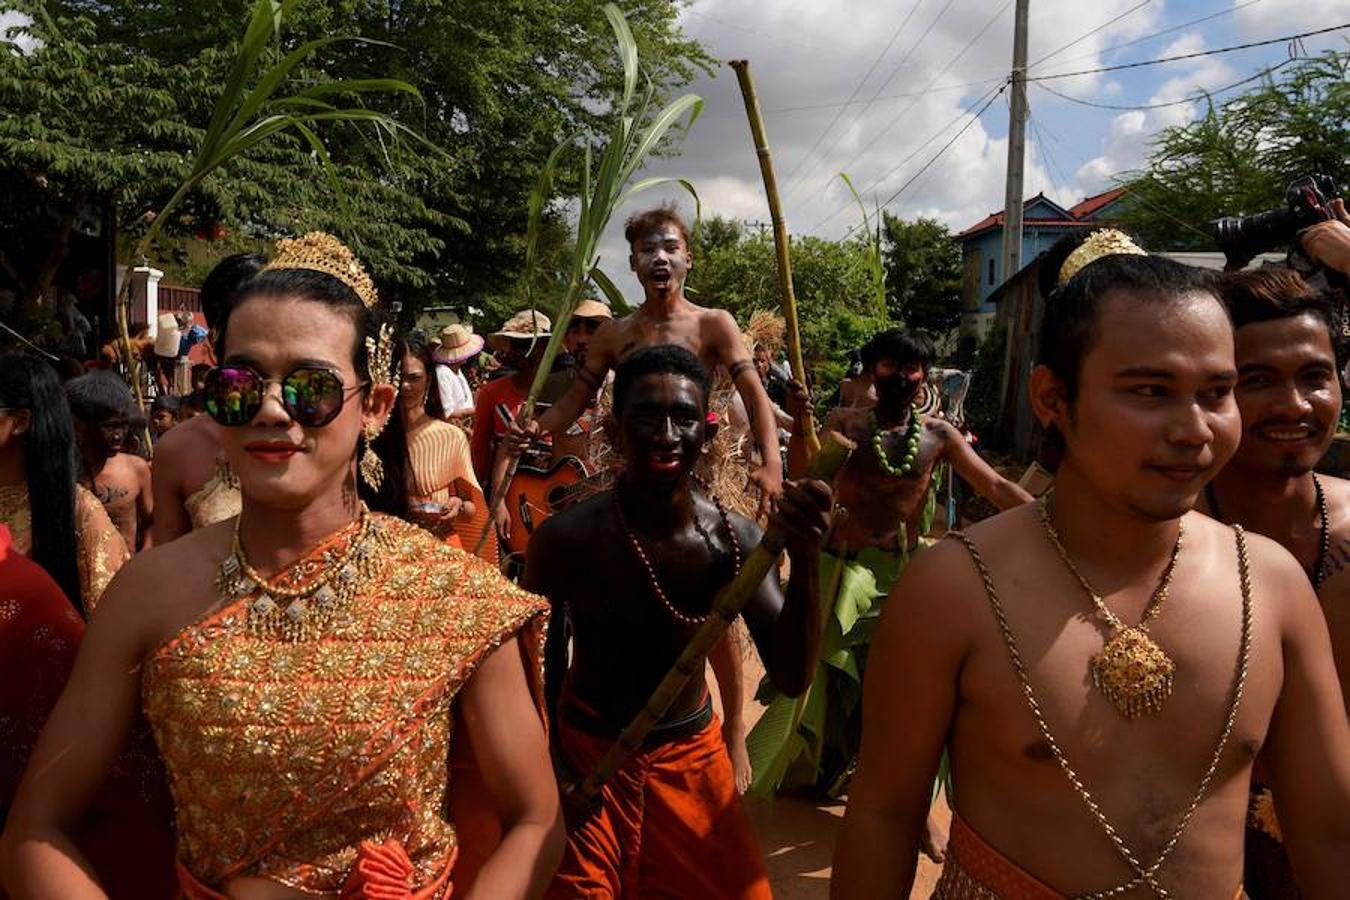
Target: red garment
{"x":671,"y":826}
{"x":39,"y":634}
{"x":494,"y":405}
{"x":127,"y":834}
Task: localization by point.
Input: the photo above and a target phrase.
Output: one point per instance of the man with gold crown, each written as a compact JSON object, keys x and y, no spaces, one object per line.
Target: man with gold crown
{"x":1104,"y":666}
{"x":306,"y":675}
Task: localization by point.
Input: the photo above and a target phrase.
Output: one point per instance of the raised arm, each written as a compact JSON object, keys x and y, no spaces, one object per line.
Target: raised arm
{"x":731,"y":352}
{"x":975,"y":471}
{"x":508,"y":740}
{"x":1308,"y":746}
{"x":909,"y":699}
{"x":84,"y":734}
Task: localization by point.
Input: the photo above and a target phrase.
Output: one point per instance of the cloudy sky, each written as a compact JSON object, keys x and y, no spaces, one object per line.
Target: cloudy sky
{"x":912,"y":67}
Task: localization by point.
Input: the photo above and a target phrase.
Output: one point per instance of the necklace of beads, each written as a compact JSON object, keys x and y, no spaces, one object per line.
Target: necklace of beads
{"x":912,"y":436}
{"x":654,"y":581}
{"x":301,"y":613}
{"x":1319,"y":571}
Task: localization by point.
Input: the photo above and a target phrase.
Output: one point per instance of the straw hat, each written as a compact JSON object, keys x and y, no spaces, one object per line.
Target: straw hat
{"x":168,"y":337}
{"x":525,"y":325}
{"x":592,"y":309}
{"x":458,"y":343}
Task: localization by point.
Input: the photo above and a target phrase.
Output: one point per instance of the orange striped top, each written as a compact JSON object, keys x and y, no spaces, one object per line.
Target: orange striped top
{"x":438,"y":456}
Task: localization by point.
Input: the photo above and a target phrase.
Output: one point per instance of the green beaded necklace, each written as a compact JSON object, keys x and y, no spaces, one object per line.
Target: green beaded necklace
{"x":911,"y":444}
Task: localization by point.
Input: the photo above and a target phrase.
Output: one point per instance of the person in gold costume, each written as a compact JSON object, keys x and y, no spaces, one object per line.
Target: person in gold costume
{"x":69,"y":534}
{"x":443,"y":492}
{"x":307,"y":673}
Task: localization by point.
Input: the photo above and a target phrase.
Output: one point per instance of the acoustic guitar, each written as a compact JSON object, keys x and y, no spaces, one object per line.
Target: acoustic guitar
{"x":536,"y":493}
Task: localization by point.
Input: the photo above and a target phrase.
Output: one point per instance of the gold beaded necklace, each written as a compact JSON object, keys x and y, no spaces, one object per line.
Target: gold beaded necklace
{"x":301,"y":613}
{"x":1130,"y":670}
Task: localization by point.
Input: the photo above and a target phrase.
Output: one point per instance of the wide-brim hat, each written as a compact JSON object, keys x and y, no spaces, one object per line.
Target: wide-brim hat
{"x":527,"y":325}
{"x":592,"y":309}
{"x":168,"y":337}
{"x":458,"y":343}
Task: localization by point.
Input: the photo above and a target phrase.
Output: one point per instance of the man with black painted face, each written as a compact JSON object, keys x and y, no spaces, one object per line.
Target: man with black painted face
{"x":1289,"y":395}
{"x":671,"y":823}
{"x":886,"y":489}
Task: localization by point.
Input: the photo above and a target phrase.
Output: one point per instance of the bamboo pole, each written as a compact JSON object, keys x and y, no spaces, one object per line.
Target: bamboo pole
{"x":730,"y":600}
{"x":781,"y":240}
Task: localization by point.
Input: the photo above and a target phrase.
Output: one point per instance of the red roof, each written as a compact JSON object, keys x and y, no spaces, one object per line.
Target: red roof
{"x":1090,"y":205}
{"x":1077,"y":215}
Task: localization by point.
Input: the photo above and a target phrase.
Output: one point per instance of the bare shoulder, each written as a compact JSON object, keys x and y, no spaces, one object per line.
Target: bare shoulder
{"x":196,"y":435}
{"x":1337,"y":494}
{"x":161,"y":590}
{"x":725,"y":335}
{"x":579,"y":526}
{"x":1278,"y":581}
{"x":941,"y":429}
{"x":844,"y":419}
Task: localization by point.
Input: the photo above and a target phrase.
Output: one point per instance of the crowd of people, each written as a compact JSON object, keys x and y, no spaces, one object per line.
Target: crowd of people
{"x":350,"y":625}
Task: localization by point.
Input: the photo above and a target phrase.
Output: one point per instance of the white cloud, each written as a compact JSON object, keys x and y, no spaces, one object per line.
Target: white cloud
{"x":1274,"y":18}
{"x":12,"y":19}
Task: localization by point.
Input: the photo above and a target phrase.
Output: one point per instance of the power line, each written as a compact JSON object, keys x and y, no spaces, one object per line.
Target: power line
{"x":1163,"y":105}
{"x":1170,"y":30}
{"x":983,"y":82}
{"x":1196,"y":55}
{"x":903,"y":60}
{"x":1051,"y":164}
{"x":876,"y":62}
{"x":898,"y":116}
{"x":1078,"y":40}
{"x":988,"y":98}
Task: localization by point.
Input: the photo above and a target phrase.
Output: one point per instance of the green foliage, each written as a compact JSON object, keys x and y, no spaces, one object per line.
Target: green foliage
{"x":833,"y":282}
{"x":1240,"y":156}
{"x":872,"y":230}
{"x":117,"y":97}
{"x":635,"y":132}
{"x":923,"y":274}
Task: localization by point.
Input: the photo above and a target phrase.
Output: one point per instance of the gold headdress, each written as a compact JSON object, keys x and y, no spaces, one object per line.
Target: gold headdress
{"x":1106,"y":242}
{"x":321,"y":252}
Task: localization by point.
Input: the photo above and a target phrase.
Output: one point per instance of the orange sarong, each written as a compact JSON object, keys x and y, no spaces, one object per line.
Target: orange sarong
{"x":671,"y":825}
{"x":976,"y":871}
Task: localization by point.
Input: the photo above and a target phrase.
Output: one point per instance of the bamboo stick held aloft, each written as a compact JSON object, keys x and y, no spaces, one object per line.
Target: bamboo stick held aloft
{"x":781,"y":240}
{"x":834,"y":452}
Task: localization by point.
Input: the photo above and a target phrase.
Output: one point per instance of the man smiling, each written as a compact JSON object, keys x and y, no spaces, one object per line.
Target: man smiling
{"x":1289,"y":394}
{"x":670,"y":823}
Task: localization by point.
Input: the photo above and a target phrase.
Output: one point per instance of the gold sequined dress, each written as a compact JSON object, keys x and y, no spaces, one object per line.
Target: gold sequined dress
{"x":310,"y":760}
{"x":101,"y":550}
{"x":217,"y":500}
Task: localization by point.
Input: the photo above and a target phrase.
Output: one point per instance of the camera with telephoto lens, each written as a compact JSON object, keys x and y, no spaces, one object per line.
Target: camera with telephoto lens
{"x":1305,"y":203}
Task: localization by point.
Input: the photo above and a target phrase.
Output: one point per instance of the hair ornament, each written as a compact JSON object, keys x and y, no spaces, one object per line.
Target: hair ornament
{"x":319,"y":251}
{"x":1105,"y":242}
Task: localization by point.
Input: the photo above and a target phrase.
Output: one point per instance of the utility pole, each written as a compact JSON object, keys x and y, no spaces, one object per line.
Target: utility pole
{"x":1017,"y":147}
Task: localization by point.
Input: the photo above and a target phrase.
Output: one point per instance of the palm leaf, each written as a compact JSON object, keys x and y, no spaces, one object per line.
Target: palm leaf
{"x":610,"y":290}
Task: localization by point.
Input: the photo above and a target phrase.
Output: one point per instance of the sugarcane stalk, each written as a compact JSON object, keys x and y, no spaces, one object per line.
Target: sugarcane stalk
{"x":730,"y":600}
{"x":781,"y":241}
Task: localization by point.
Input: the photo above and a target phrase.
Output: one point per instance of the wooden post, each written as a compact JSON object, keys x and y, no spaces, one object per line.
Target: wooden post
{"x":781,"y":241}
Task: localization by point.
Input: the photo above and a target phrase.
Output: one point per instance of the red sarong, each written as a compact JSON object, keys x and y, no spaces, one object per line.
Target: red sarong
{"x":671,"y":826}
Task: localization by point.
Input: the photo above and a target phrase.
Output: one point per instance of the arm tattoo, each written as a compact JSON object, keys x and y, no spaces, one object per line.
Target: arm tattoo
{"x":738,"y":367}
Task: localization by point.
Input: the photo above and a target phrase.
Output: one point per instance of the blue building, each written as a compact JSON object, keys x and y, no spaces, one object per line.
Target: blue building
{"x":1043,"y":222}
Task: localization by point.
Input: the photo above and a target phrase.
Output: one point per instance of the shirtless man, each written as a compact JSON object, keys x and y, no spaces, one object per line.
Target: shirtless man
{"x":1289,"y":395}
{"x":186,"y":457}
{"x":1146,"y":417}
{"x":671,"y":823}
{"x":884,"y":502}
{"x":658,"y":241}
{"x":101,"y":406}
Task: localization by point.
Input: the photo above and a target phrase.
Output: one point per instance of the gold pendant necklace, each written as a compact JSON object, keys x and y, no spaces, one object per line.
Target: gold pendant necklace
{"x":301,"y":613}
{"x":1131,"y":670}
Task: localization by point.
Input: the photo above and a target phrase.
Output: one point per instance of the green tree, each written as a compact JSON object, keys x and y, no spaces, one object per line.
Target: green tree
{"x":503,"y":81}
{"x":832,"y":279}
{"x":1239,"y":157}
{"x":923,"y":274}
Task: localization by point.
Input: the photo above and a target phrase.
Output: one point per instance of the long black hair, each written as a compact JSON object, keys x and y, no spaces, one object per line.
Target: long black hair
{"x":392,"y":444}
{"x":415,"y":344}
{"x":49,"y":466}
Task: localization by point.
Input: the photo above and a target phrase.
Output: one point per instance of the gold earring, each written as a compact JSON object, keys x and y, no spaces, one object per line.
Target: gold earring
{"x":371,"y":467}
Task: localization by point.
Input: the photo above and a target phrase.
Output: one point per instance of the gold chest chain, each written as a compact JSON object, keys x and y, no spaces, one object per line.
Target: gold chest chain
{"x":1144,"y":875}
